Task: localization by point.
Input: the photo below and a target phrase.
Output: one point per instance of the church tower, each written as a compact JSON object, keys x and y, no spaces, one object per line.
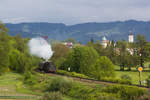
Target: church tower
{"x":105,"y":42}
{"x":131,"y":38}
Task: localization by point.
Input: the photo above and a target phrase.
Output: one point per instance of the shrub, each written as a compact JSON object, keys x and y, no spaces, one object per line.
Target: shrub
{"x":125,"y":92}
{"x":126,"y":77}
{"x":59,"y":84}
{"x":81,"y":92}
{"x":74,"y":74}
{"x":114,"y":80}
{"x":52,"y":96}
{"x":106,"y":96}
{"x":30,"y":79}
{"x":79,"y":75}
{"x":63,"y":72}
{"x":103,"y":68}
{"x":148,"y":81}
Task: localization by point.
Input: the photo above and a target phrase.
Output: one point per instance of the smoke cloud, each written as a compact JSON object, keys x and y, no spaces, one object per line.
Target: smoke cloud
{"x":40,"y":48}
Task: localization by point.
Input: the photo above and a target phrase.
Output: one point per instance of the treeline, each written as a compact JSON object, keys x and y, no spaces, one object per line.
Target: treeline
{"x":14,"y":54}
{"x":125,"y":54}
{"x":96,"y":61}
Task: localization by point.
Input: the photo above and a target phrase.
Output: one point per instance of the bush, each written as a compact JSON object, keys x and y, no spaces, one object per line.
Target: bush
{"x":82,"y":92}
{"x":59,"y":84}
{"x":126,"y":77}
{"x":148,"y":81}
{"x":113,"y":80}
{"x":106,"y":96}
{"x":30,"y":79}
{"x":74,"y":74}
{"x":125,"y":92}
{"x":52,"y":96}
{"x":103,"y":68}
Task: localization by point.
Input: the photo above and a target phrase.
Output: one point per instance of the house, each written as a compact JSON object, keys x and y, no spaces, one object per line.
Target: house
{"x":68,"y":44}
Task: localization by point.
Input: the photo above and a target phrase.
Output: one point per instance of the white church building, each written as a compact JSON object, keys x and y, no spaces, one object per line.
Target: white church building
{"x":106,"y":42}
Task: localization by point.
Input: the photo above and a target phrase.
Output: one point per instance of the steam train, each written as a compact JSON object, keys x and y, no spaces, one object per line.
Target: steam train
{"x":47,"y":67}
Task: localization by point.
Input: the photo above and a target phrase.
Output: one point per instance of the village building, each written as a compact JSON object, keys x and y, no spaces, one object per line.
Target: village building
{"x":68,"y":44}
{"x":131,"y":38}
{"x":105,"y":42}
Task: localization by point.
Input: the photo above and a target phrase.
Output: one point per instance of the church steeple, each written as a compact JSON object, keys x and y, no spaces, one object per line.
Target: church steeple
{"x":131,"y":38}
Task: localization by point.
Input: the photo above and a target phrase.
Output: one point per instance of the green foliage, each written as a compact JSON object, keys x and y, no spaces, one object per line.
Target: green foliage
{"x":115,"y":80}
{"x":60,"y":51}
{"x":82,"y":92}
{"x":20,"y":44}
{"x":59,"y":84}
{"x":58,"y":62}
{"x":103,"y":68}
{"x":30,"y":78}
{"x":4,"y":48}
{"x":148,"y":81}
{"x":60,"y":54}
{"x":81,"y":59}
{"x":17,"y":61}
{"x":74,"y":74}
{"x":141,"y":51}
{"x":125,"y":92}
{"x":20,"y":62}
{"x":71,"y":40}
{"x":52,"y":96}
{"x":126,"y":77}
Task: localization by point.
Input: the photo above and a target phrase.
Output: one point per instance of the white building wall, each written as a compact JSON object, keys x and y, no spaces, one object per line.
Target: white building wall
{"x":131,"y":39}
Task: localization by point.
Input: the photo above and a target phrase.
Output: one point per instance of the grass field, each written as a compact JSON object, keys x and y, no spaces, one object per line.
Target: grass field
{"x":134,"y":74}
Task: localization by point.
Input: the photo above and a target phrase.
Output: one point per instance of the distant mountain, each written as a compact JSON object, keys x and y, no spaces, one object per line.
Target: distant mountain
{"x":82,"y":32}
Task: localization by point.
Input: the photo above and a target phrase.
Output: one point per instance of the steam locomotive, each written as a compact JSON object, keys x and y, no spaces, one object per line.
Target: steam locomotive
{"x":47,"y":67}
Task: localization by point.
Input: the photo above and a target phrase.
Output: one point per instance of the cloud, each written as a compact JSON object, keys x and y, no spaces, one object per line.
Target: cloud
{"x":73,"y":11}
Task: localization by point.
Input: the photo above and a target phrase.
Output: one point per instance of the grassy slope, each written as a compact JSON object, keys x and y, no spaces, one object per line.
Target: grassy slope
{"x":10,"y":87}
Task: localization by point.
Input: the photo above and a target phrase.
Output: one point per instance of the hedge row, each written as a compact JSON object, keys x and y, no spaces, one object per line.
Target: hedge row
{"x":112,"y":80}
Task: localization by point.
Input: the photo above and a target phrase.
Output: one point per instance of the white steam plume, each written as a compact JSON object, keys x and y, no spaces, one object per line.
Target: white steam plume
{"x":40,"y":47}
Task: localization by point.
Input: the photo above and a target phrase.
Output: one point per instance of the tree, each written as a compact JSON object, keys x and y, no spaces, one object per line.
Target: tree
{"x":140,"y":44}
{"x":97,"y":46}
{"x":147,"y":48}
{"x":4,"y":48}
{"x":92,"y":40}
{"x":60,"y":53}
{"x":122,"y":51}
{"x":71,"y":40}
{"x":103,"y":68}
{"x":20,"y":43}
{"x":110,"y":52}
{"x":81,"y":59}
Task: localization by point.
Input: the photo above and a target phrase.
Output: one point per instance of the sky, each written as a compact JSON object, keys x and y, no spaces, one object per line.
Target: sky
{"x":73,"y":11}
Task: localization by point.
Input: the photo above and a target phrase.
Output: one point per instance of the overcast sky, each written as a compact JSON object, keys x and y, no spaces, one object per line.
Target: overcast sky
{"x":73,"y":11}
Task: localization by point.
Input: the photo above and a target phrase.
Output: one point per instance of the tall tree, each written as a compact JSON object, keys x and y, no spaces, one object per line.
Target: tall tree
{"x":122,"y":51}
{"x":81,"y":59}
{"x":4,"y":48}
{"x":140,"y":44}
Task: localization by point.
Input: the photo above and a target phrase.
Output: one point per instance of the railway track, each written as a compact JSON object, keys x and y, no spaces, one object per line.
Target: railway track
{"x":95,"y":81}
